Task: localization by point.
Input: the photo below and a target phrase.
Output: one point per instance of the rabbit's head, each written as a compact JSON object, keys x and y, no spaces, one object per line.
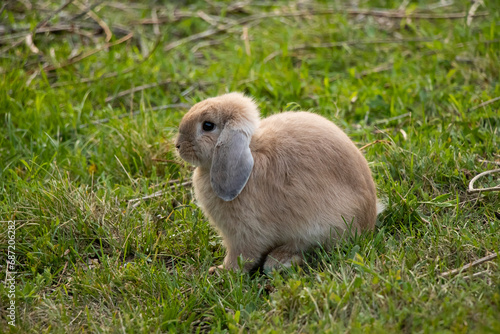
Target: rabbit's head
{"x":215,"y":135}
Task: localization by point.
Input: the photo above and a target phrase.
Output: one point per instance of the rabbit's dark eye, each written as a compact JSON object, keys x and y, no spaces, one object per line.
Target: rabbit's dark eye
{"x":208,"y":126}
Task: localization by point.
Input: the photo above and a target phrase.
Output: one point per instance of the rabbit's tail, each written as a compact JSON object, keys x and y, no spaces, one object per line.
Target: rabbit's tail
{"x":380,"y":206}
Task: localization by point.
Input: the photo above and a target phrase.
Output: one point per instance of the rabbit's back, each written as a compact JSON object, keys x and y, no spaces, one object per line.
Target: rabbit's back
{"x":306,"y":166}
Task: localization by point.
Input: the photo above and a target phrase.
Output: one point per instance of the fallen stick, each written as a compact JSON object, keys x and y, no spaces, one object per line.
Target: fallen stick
{"x":137,"y":112}
{"x":88,"y":54}
{"x":485,"y":103}
{"x":489,"y":162}
{"x":373,"y":143}
{"x":348,"y":11}
{"x":99,"y":21}
{"x":471,"y":184}
{"x":111,"y":74}
{"x":470,"y":265}
{"x":60,"y":9}
{"x":137,"y":89}
{"x":135,"y":201}
{"x":346,"y":43}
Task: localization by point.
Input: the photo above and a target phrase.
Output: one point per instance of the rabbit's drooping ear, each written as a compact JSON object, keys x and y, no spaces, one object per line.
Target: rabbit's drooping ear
{"x":232,"y":163}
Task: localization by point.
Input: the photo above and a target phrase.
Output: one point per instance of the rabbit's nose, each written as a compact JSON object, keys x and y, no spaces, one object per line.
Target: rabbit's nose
{"x":178,"y":146}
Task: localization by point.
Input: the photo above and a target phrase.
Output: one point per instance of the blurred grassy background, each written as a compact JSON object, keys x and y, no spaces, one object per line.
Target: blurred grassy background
{"x":108,"y":238}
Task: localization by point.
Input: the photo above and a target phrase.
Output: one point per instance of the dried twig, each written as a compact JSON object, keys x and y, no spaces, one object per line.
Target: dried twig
{"x":60,"y":9}
{"x":391,"y":14}
{"x":13,"y":45}
{"x":489,"y":162}
{"x":346,"y":43}
{"x":137,"y":112}
{"x":77,"y":28}
{"x":471,"y":184}
{"x":196,"y":37}
{"x":169,"y":183}
{"x":156,"y":27}
{"x":136,"y":89}
{"x":246,"y":40}
{"x":470,"y":265}
{"x":368,"y":12}
{"x":485,"y":103}
{"x":440,"y":4}
{"x":387,"y":120}
{"x":476,"y":274}
{"x":112,"y":74}
{"x":472,"y":11}
{"x":86,"y":10}
{"x":381,"y":68}
{"x":207,"y":18}
{"x":87,"y":54}
{"x":62,"y":274}
{"x":3,"y":7}
{"x":373,"y":143}
{"x":402,"y":15}
{"x":167,"y":161}
{"x":136,"y":201}
{"x":389,"y":65}
{"x":98,"y":20}
{"x":256,"y":17}
{"x":226,"y":27}
{"x":31,"y":45}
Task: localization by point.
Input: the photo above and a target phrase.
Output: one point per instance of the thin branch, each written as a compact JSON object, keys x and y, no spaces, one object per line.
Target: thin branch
{"x":196,"y":37}
{"x":477,"y":274}
{"x":256,"y":17}
{"x":3,"y":7}
{"x":70,"y":27}
{"x":346,"y":43}
{"x":471,"y":184}
{"x":328,"y":11}
{"x":440,"y":4}
{"x":207,"y":18}
{"x":98,"y":20}
{"x":373,"y":143}
{"x":168,"y":183}
{"x":161,"y":192}
{"x":489,"y":162}
{"x":60,"y":9}
{"x":251,"y":18}
{"x":485,"y":103}
{"x":156,"y":27}
{"x":470,"y":265}
{"x":88,"y":54}
{"x":368,"y":12}
{"x":86,"y":10}
{"x":111,"y":74}
{"x":137,"y":89}
{"x":213,"y":31}
{"x":381,"y":68}
{"x":13,"y":45}
{"x":62,"y":274}
{"x":472,"y":11}
{"x":167,"y":161}
{"x":31,"y":45}
{"x":153,"y":195}
{"x":389,"y":65}
{"x":387,"y":120}
{"x":137,"y":112}
{"x":246,"y":40}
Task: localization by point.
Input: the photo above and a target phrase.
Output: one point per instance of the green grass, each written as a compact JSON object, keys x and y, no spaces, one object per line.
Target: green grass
{"x":73,"y":152}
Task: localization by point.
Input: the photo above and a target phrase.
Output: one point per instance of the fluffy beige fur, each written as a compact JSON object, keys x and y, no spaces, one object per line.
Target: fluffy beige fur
{"x":307,"y":186}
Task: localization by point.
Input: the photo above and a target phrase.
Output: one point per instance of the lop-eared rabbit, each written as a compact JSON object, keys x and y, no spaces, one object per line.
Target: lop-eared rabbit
{"x":274,"y":187}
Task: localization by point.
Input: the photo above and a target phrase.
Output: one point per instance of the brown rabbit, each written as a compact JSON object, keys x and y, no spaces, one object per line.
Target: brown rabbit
{"x":274,"y":187}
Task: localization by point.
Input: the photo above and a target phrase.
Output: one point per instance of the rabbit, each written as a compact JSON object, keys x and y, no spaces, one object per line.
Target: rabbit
{"x":275,"y":187}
